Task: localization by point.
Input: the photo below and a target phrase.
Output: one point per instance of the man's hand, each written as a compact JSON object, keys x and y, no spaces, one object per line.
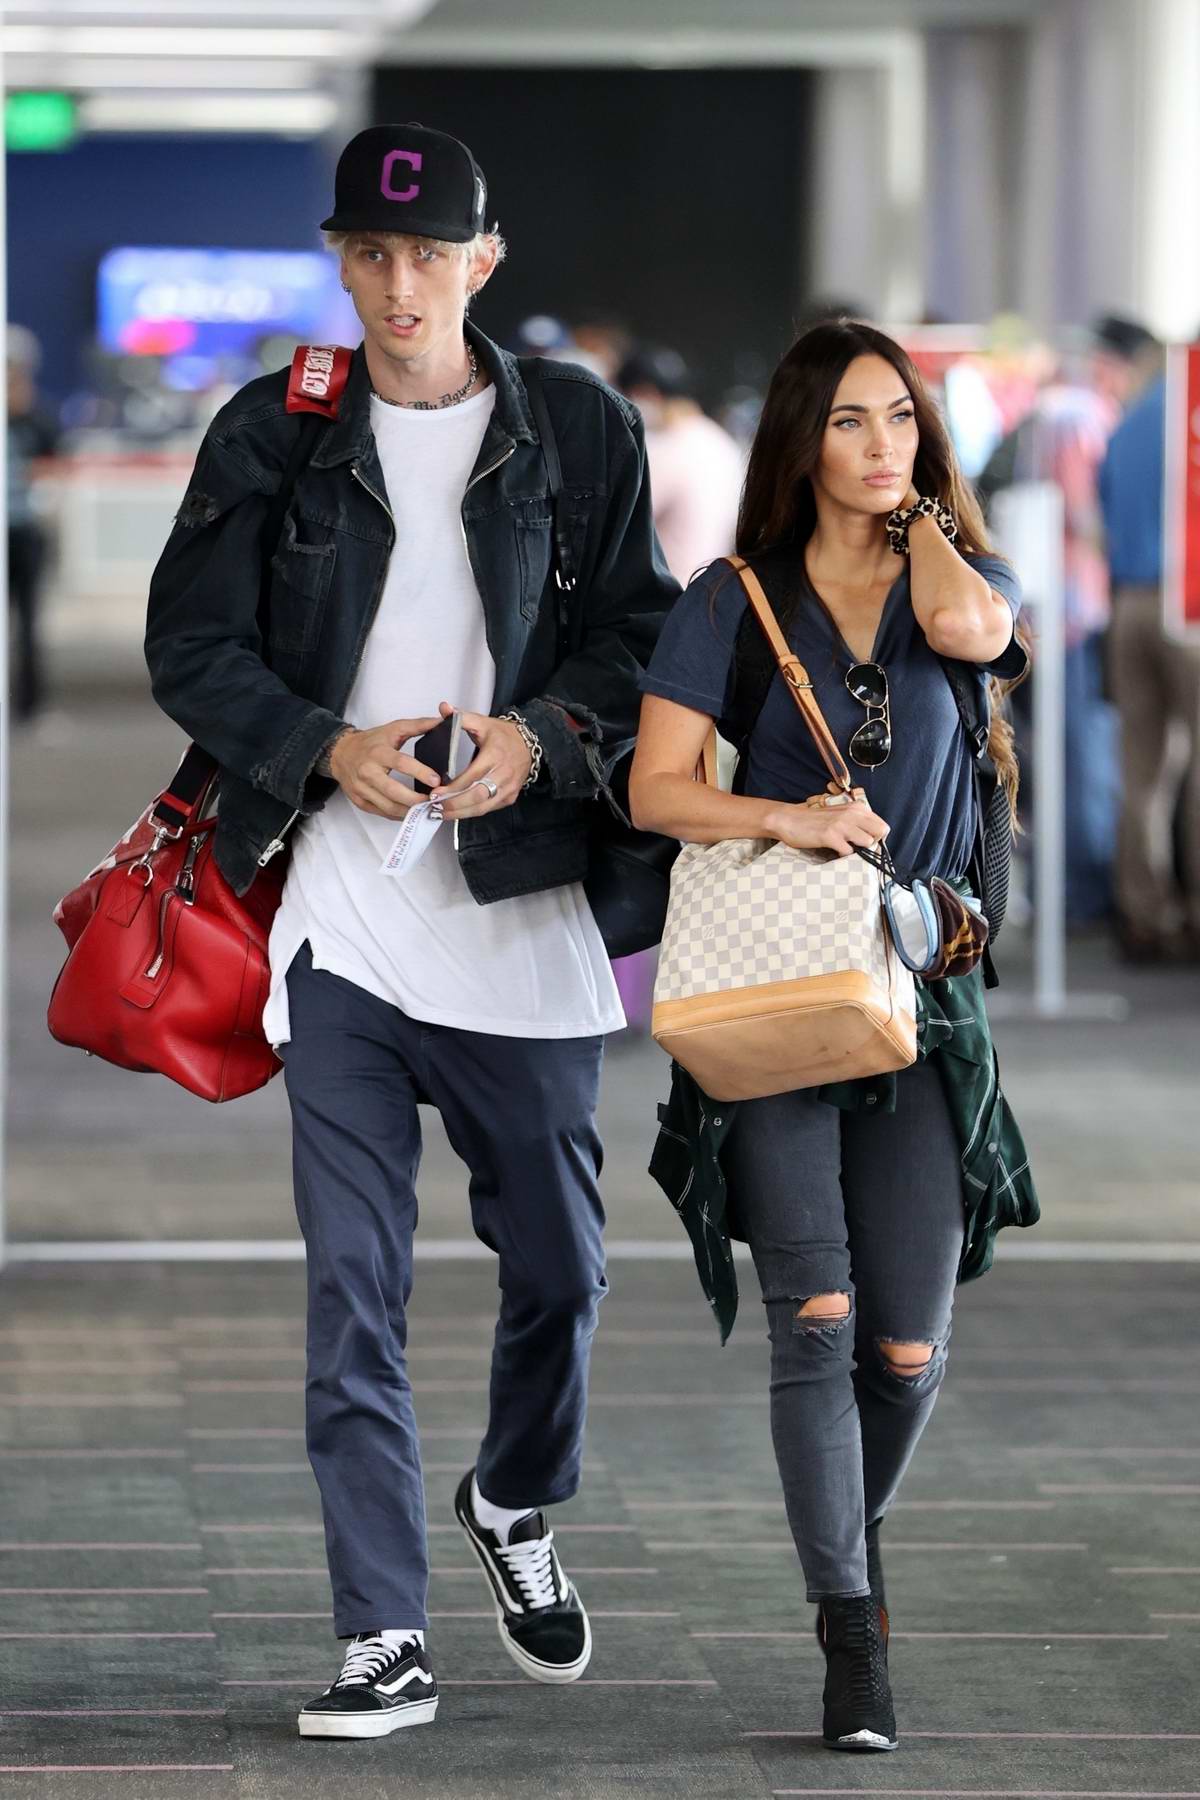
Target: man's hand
{"x":497,"y":774}
{"x":360,"y":761}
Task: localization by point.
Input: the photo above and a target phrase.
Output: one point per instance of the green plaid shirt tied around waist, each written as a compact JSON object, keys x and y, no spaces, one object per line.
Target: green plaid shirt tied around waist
{"x":953,"y":1030}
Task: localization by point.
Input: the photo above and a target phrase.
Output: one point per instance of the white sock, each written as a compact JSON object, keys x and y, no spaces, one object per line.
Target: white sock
{"x":499,"y":1519}
{"x":394,"y":1639}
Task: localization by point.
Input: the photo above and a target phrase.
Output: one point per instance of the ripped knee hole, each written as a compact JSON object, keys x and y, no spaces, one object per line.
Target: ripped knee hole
{"x":822,"y":1312}
{"x":905,"y":1359}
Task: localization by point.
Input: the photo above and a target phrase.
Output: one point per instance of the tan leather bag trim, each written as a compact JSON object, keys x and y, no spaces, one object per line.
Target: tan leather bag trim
{"x":807,"y":993}
{"x":743,"y":1043}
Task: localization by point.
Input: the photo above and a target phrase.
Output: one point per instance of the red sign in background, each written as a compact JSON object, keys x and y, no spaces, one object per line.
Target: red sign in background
{"x":1182,"y":572}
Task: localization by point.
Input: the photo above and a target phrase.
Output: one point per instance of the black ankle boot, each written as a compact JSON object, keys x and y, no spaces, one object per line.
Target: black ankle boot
{"x":858,"y":1695}
{"x":874,"y":1582}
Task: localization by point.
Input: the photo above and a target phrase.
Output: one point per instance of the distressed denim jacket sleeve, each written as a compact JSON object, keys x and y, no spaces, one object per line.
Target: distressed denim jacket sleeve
{"x":203,"y":647}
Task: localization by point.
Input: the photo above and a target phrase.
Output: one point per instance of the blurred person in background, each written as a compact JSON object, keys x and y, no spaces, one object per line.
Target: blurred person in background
{"x":696,"y":468}
{"x":1156,"y":685}
{"x":1063,"y":439}
{"x":541,"y":334}
{"x":986,"y":393}
{"x":603,"y":345}
{"x":739,"y":407}
{"x":32,"y":437}
{"x":696,"y":472}
{"x":479,"y":981}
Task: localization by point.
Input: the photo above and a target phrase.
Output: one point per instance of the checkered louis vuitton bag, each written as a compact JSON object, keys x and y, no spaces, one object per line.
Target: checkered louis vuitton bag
{"x":777,"y":969}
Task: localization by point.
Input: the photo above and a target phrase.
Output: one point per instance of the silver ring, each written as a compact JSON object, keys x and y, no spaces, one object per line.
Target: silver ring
{"x":491,"y":787}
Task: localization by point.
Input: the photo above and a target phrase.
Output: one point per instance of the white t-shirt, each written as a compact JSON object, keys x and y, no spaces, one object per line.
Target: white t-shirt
{"x":534,"y":966}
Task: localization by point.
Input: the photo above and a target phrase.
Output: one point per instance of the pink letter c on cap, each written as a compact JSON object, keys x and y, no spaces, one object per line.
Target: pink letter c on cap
{"x":414,"y":159}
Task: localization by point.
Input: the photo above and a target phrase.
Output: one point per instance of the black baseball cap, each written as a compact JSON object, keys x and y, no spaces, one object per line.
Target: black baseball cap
{"x":654,"y":366}
{"x":408,"y":178}
{"x":1122,"y":337}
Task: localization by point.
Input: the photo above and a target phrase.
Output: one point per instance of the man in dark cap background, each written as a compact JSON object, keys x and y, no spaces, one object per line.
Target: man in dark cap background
{"x":454,"y":963}
{"x":1156,"y":685}
{"x":696,"y":467}
{"x":1063,"y":439}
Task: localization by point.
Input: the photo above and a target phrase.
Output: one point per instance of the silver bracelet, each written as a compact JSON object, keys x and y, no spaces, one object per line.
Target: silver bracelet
{"x":532,"y":743}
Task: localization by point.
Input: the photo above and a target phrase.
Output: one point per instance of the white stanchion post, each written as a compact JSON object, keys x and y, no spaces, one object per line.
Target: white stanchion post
{"x":5,"y":732}
{"x":1027,"y":522}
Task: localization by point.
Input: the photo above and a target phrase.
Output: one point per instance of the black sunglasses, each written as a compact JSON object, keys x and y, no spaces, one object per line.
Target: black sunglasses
{"x":871,"y":744}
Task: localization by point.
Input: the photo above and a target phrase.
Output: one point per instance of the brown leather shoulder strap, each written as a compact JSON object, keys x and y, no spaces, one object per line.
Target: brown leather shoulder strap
{"x":794,"y":673}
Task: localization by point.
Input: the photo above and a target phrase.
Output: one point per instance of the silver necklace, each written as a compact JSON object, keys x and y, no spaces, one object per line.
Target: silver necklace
{"x":446,"y":399}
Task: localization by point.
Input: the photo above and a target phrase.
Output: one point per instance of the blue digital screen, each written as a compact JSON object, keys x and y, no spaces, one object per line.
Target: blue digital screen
{"x":200,"y":310}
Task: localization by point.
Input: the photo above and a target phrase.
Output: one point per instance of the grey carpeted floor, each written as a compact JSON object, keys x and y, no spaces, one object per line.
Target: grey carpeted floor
{"x":164,"y":1605}
{"x":163,"y":1599}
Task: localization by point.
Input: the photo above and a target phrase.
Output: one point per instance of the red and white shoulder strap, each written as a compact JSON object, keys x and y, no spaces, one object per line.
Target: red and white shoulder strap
{"x":318,"y":379}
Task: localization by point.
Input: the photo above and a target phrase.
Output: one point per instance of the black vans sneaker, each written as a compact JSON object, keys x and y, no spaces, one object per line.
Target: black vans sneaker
{"x":542,"y":1623}
{"x":379,"y":1689}
{"x":858,"y":1694}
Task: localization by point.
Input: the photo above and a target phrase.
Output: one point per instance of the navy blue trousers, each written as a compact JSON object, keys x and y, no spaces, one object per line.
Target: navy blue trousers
{"x":520,"y":1112}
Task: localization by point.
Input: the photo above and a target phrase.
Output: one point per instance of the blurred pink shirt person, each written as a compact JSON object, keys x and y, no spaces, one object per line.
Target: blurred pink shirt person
{"x":696,"y":468}
{"x":696,"y":473}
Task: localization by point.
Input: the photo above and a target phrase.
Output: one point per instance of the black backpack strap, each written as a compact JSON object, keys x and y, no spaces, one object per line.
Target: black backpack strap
{"x":194,"y":776}
{"x":965,"y":689}
{"x":754,"y":669}
{"x":977,"y":725}
{"x":565,"y":572}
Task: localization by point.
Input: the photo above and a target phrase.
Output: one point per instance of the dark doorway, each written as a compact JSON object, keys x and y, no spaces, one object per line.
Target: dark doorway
{"x":668,"y":200}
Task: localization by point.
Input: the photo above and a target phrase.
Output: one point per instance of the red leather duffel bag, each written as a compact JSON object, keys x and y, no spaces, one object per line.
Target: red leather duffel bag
{"x":168,"y":969}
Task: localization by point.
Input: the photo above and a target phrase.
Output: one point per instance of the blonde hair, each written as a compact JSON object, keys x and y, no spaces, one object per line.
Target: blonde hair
{"x":342,"y":241}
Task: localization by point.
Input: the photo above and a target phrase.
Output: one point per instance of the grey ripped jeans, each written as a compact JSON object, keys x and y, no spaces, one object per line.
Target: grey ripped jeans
{"x":871,"y":1207}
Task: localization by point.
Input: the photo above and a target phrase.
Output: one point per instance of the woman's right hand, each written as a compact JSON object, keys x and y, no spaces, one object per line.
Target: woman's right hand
{"x":842,"y":829}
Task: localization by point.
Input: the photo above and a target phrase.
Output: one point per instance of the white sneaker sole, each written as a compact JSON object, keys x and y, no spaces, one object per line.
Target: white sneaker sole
{"x":554,"y":1674}
{"x":366,"y":1725}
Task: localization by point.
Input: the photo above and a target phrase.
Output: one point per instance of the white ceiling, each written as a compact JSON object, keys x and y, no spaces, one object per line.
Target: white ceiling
{"x":276,"y":65}
{"x":288,"y":65}
{"x":556,"y":26}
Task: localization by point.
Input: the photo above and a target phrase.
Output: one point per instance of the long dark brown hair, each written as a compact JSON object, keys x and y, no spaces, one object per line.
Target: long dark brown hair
{"x":779,"y":508}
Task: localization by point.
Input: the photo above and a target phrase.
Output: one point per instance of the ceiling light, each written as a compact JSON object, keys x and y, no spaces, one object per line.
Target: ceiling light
{"x":300,"y":115}
{"x":80,"y":74}
{"x":173,"y":40}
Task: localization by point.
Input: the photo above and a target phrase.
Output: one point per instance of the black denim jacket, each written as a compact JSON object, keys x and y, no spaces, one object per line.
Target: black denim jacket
{"x":266,"y":711}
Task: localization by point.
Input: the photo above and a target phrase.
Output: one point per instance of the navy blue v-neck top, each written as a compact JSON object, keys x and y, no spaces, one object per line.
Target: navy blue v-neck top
{"x":925,"y":790}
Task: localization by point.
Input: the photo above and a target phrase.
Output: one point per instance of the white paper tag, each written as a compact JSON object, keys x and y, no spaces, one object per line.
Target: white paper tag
{"x":413,"y":839}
